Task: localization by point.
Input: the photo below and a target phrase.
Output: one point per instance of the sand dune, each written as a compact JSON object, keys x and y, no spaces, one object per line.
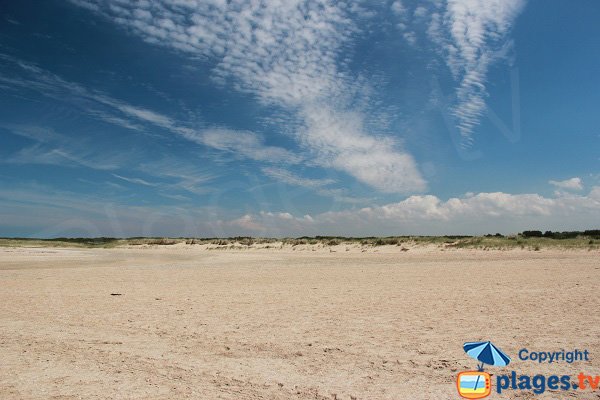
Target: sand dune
{"x":175,"y":322}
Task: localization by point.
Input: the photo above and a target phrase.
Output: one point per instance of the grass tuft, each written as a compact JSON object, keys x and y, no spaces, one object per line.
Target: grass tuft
{"x":531,"y":240}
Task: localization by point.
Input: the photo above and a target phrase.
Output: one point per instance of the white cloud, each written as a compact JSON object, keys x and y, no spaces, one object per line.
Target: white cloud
{"x":117,"y":121}
{"x":247,"y":144}
{"x":146,"y":115}
{"x":471,"y":214}
{"x":338,"y":140}
{"x":35,"y":133}
{"x":398,"y":8}
{"x":288,"y":177}
{"x":86,"y":4}
{"x":568,"y":184}
{"x":245,"y":223}
{"x":410,"y":37}
{"x":48,"y":212}
{"x":472,"y":35}
{"x":342,"y":196}
{"x":53,"y":148}
{"x":286,"y":53}
{"x":119,"y":113}
{"x":420,"y":12}
{"x":138,"y":181}
{"x":243,"y":143}
{"x":318,"y":185}
{"x":178,"y":174}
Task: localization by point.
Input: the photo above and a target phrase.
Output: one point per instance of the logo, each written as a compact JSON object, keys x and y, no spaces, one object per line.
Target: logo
{"x":478,"y":384}
{"x":474,"y":384}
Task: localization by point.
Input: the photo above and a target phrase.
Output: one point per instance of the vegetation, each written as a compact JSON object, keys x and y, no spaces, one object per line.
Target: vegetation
{"x":532,"y":240}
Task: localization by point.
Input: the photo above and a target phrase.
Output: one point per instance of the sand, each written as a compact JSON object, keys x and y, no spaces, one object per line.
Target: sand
{"x":184,"y":322}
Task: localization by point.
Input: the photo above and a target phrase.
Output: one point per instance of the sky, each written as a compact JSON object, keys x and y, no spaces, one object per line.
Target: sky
{"x":213,"y":118}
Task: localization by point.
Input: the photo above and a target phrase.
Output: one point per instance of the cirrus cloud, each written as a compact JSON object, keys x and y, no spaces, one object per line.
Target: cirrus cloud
{"x":471,"y":35}
{"x":286,"y":54}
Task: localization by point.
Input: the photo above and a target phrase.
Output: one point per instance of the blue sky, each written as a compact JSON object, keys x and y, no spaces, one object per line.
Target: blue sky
{"x":277,"y":118}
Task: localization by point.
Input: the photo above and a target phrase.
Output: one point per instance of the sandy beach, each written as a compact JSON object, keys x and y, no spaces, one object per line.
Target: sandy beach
{"x":185,"y":322}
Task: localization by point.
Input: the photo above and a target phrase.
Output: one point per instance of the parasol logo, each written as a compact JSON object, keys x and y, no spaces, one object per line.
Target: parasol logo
{"x":478,"y":384}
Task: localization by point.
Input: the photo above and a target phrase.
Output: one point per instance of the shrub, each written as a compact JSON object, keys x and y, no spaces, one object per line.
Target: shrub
{"x":162,"y":242}
{"x":532,"y":234}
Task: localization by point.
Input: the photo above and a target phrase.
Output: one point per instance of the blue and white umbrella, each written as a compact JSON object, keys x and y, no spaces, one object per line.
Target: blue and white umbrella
{"x":486,"y":353}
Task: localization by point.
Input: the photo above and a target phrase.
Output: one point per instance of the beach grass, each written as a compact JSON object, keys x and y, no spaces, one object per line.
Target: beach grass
{"x":582,"y":240}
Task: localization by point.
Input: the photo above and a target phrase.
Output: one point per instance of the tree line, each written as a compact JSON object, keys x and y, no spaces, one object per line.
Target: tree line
{"x":595,"y":233}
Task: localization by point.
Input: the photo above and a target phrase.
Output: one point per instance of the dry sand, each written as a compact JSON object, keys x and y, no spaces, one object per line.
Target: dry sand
{"x":284,"y":324}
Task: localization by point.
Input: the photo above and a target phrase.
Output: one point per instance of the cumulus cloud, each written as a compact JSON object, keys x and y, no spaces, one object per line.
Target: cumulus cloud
{"x":48,"y":212}
{"x":285,"y":53}
{"x":472,"y":35}
{"x":470,"y":214}
{"x":568,"y":184}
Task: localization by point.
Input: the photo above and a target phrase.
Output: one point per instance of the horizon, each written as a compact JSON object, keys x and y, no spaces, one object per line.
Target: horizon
{"x":595,"y":233}
{"x":298,"y":119}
